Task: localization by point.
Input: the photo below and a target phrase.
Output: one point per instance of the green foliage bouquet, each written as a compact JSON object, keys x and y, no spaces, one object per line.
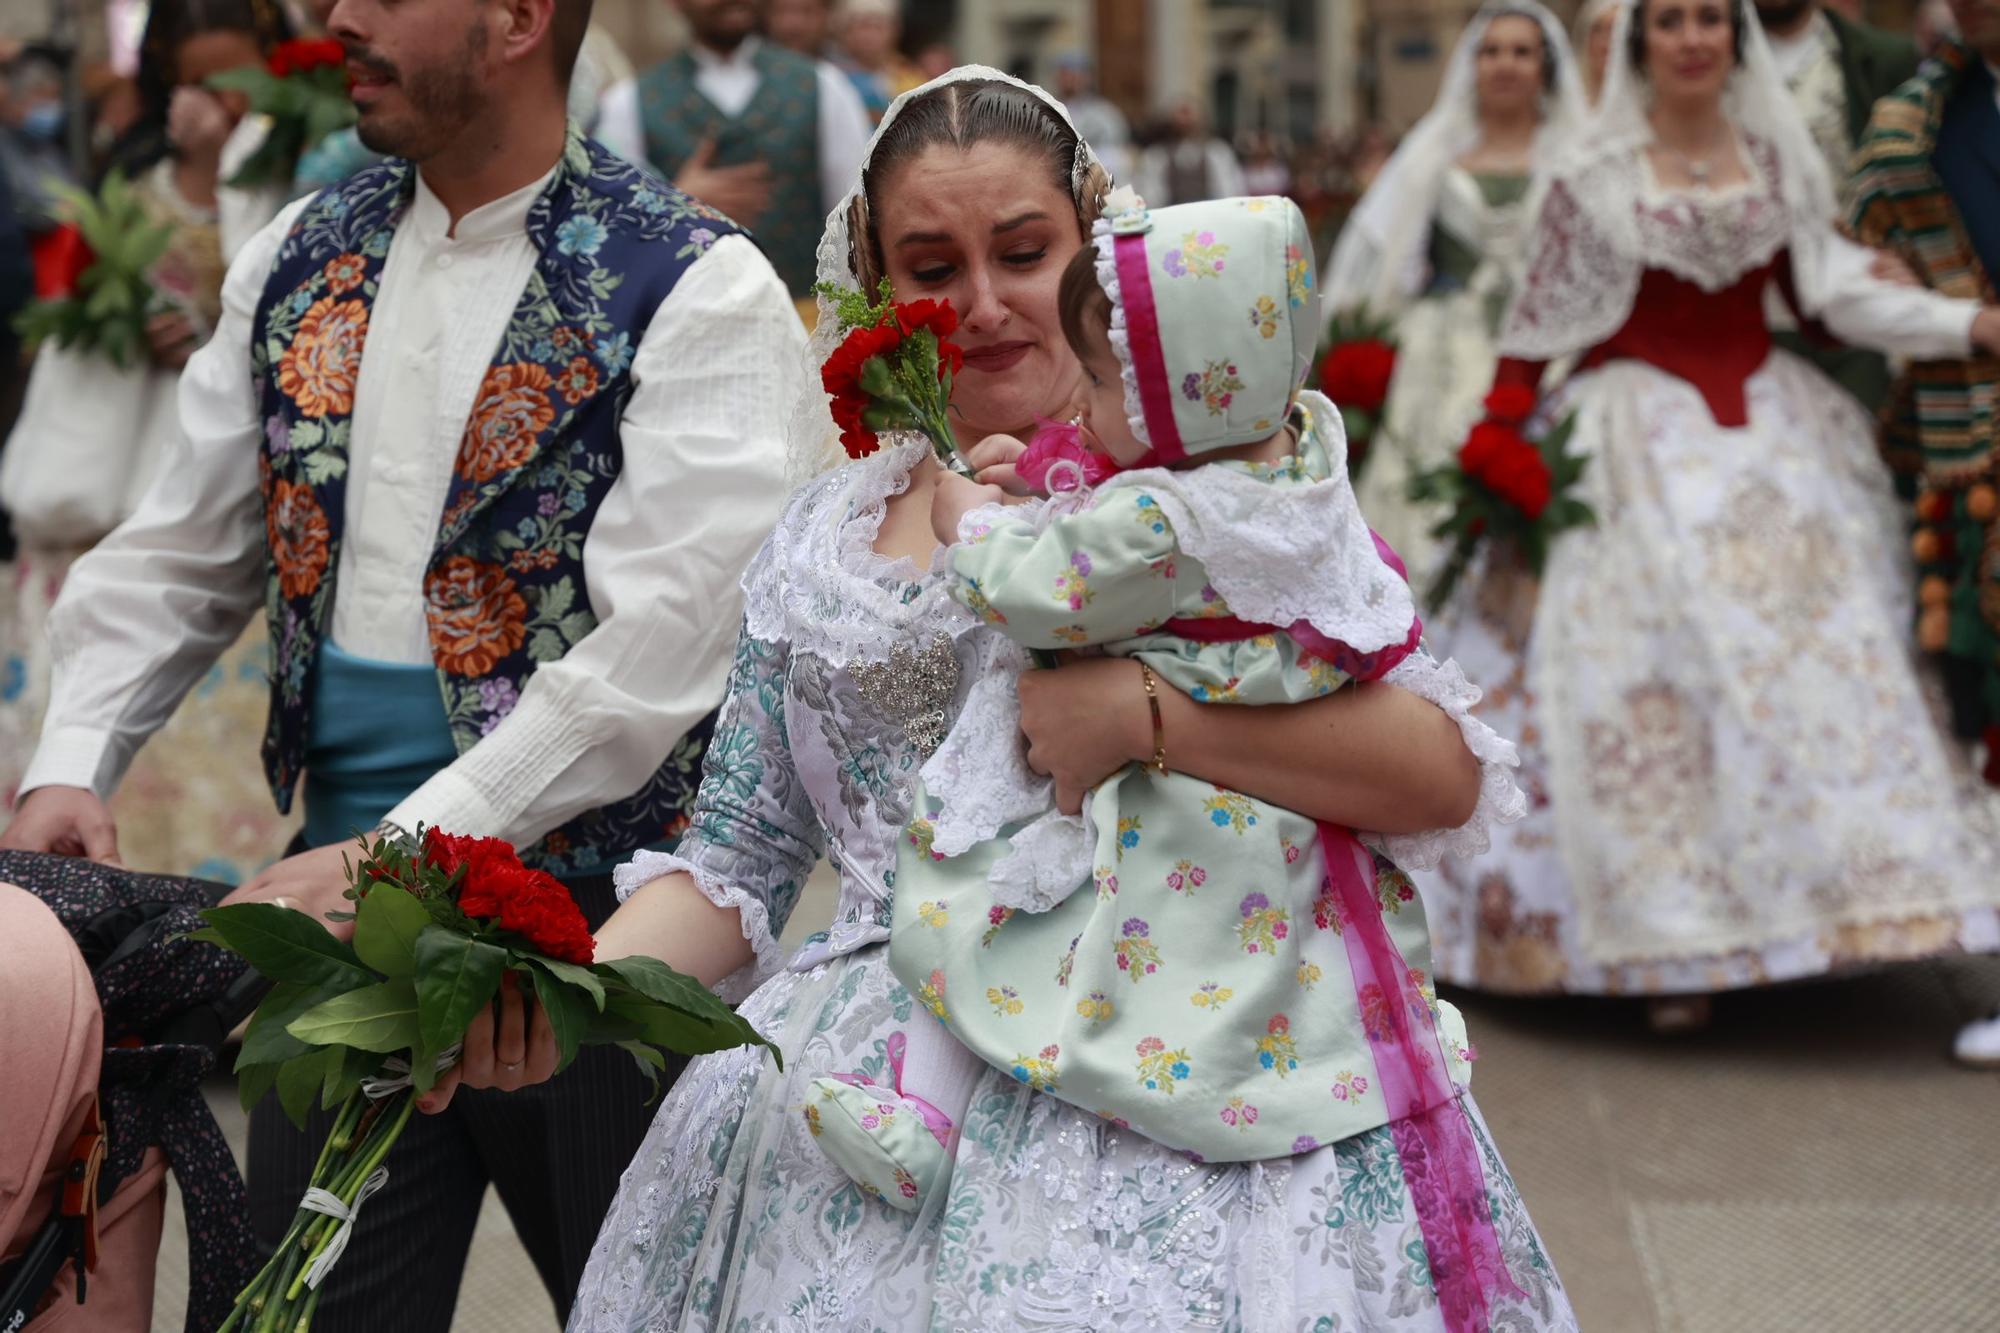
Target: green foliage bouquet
{"x":439,"y":922}
{"x":96,"y":291}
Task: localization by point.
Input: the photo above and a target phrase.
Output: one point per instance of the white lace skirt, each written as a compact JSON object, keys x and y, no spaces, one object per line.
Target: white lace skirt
{"x":1736,"y":775}
{"x":730,"y":1218}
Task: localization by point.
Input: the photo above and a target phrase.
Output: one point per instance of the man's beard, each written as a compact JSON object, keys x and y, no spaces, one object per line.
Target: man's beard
{"x":442,"y":101}
{"x":1778,"y":15}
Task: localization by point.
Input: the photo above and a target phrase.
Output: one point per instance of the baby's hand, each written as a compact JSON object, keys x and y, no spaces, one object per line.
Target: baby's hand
{"x":954,"y":498}
{"x":992,"y":462}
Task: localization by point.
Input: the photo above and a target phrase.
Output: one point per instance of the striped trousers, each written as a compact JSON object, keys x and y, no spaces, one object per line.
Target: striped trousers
{"x":554,"y":1153}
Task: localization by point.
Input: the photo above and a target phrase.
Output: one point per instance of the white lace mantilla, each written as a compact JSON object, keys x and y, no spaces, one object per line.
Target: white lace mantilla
{"x":1600,"y":228}
{"x":819,"y":583}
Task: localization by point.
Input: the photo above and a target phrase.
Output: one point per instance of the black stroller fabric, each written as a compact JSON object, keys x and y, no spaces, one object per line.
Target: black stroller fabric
{"x":168,"y":1003}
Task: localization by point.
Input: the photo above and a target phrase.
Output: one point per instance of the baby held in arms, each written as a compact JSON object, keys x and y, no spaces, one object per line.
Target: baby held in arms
{"x":1213,"y":971}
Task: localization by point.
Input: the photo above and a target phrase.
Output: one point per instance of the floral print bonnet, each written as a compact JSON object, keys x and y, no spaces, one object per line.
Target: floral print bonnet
{"x":1214,"y":319}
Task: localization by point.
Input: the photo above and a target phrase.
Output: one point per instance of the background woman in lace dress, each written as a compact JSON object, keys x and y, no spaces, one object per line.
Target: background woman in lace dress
{"x":1436,"y":245}
{"x":853,"y":652}
{"x":178,"y":811}
{"x":1735,"y":777}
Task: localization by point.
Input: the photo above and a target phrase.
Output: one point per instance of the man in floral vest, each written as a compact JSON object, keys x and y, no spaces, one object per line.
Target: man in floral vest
{"x":488,"y":433}
{"x":1927,"y":185}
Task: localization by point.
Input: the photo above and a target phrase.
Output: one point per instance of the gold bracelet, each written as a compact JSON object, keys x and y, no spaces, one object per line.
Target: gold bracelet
{"x":1152,"y":684}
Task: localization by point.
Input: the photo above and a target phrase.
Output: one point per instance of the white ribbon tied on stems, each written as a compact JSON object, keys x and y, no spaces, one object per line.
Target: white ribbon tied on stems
{"x":324,"y":1201}
{"x":399,"y":1069}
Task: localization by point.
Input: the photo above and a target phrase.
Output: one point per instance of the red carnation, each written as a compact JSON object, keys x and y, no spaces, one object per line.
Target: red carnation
{"x":1511,"y":404}
{"x":1356,"y":374}
{"x":937,"y":316}
{"x":1488,"y":440}
{"x":478,"y":857}
{"x":841,"y":377}
{"x":532,"y":904}
{"x":303,"y":54}
{"x":61,"y":257}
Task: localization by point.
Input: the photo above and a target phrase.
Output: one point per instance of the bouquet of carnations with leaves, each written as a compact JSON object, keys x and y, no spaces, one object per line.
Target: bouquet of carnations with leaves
{"x":893,"y":370}
{"x":1504,"y":485}
{"x":93,"y":276}
{"x":1355,"y":374}
{"x":302,"y":91}
{"x":439,"y":923}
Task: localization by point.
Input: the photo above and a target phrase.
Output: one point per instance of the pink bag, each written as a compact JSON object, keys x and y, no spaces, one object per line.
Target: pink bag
{"x":51,"y":1041}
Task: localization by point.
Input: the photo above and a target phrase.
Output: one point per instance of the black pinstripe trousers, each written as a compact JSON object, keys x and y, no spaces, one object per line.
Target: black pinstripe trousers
{"x":554,"y":1152}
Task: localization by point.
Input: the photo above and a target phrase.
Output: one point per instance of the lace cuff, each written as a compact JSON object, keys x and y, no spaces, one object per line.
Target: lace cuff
{"x":1501,"y":800}
{"x":768,"y":959}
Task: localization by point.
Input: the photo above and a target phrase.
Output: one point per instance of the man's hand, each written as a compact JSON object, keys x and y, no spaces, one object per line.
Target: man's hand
{"x":69,"y":821}
{"x":512,"y":1049}
{"x":741,"y":193}
{"x":313,"y":882}
{"x":953,"y":499}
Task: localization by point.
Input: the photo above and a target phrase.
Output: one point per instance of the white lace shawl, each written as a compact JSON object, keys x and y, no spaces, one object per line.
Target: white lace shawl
{"x":1379,"y":259}
{"x":1600,"y":221}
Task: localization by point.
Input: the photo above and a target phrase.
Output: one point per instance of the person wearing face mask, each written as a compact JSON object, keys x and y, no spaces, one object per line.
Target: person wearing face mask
{"x":752,"y":129}
{"x":31,"y":137}
{"x":92,"y":437}
{"x":1927,"y":184}
{"x":1734,"y":772}
{"x":1435,"y":244}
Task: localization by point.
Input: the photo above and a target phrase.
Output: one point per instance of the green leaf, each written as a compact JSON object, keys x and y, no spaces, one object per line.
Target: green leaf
{"x":267,"y":1040}
{"x":456,"y":978}
{"x":375,"y":1018}
{"x":651,"y":1063}
{"x":299,"y":1082}
{"x":344,"y":1075}
{"x":568,"y":1009}
{"x":656,"y":981}
{"x":286,"y":945}
{"x":575,"y":976}
{"x":253,"y":1083}
{"x":386,"y":927}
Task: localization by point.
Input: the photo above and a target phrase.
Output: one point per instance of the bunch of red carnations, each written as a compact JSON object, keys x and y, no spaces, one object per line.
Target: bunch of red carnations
{"x":893,"y":370}
{"x":440,"y":923}
{"x":302,"y":90}
{"x":1505,"y":485}
{"x":1355,"y":373}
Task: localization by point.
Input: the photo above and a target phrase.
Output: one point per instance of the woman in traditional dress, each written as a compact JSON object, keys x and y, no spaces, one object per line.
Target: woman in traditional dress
{"x":1734,"y":775}
{"x":853,"y":659}
{"x":1435,"y":246}
{"x":1593,"y":44}
{"x":178,"y":810}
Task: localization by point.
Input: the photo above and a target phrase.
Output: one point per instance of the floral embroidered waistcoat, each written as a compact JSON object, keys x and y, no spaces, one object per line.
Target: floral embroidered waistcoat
{"x":779,"y":127}
{"x":504,"y":590}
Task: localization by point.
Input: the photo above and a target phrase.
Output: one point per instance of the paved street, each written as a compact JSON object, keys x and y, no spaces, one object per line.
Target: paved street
{"x":1812,"y":1162}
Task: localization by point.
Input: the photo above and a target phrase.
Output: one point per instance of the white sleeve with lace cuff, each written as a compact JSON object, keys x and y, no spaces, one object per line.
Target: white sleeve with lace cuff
{"x":767,"y":955}
{"x":1501,"y":800}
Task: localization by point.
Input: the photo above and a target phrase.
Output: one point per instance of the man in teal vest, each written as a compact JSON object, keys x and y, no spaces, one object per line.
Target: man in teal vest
{"x":487,"y":432}
{"x":765,"y":135}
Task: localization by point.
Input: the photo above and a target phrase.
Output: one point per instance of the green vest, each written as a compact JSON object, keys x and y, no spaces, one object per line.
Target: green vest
{"x":779,"y":127}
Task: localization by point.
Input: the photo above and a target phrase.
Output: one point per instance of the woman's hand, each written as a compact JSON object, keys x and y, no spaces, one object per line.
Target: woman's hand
{"x":170,"y":339}
{"x":510,"y":1046}
{"x":953,"y":498}
{"x":992,"y":464}
{"x":1084,"y":721}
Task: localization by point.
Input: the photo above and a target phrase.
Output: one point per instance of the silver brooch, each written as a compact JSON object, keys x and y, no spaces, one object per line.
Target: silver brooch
{"x":914,"y":689}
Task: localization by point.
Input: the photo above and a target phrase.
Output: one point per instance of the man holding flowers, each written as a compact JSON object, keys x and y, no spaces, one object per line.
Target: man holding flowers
{"x":488,"y":432}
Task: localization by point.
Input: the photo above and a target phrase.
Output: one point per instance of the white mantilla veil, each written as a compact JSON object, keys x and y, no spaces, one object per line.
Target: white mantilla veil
{"x":1379,"y":258}
{"x":813,"y":439}
{"x":1585,"y":256}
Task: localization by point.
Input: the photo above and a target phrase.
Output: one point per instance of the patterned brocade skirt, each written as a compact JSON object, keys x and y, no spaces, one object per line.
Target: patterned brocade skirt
{"x":730,"y":1218}
{"x":1737,"y":773}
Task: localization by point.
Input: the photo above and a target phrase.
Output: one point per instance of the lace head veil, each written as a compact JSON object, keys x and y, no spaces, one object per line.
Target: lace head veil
{"x":813,"y":440}
{"x":1379,"y":259}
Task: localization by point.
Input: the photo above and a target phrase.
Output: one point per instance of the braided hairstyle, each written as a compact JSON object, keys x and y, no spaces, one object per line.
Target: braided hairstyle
{"x":960,"y":115}
{"x":1635,"y":34}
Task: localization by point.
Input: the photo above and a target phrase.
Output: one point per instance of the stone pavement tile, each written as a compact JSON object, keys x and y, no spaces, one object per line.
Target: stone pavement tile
{"x":1751,"y":1267}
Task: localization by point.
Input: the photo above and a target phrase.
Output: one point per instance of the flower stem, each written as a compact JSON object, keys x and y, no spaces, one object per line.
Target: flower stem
{"x":383,"y":1136}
